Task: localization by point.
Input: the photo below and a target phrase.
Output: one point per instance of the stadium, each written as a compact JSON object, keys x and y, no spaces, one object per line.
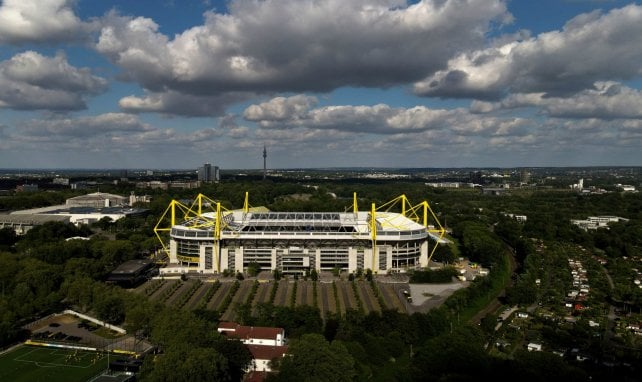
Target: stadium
{"x":207,"y":238}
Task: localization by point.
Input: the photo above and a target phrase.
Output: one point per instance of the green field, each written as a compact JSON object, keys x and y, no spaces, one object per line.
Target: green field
{"x":34,"y":363}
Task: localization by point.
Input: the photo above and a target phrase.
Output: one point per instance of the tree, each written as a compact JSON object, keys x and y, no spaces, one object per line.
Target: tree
{"x":444,"y":254}
{"x":79,"y":291}
{"x":110,"y":309}
{"x":237,"y":354}
{"x":9,"y":267}
{"x":171,"y":328}
{"x":139,"y":320}
{"x":78,"y":266}
{"x":104,"y":223}
{"x":114,"y":252}
{"x":189,"y":364}
{"x":8,"y":237}
{"x":458,"y":355}
{"x":313,"y":358}
{"x":253,"y":269}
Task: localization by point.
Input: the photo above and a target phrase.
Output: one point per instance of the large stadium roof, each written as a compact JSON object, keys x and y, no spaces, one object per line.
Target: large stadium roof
{"x":238,"y":219}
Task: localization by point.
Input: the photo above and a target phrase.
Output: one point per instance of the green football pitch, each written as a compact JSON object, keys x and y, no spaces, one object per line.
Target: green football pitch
{"x":34,"y":363}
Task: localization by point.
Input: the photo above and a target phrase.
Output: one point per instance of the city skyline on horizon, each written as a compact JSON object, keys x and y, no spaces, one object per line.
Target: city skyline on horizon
{"x":321,"y":84}
{"x":347,"y":168}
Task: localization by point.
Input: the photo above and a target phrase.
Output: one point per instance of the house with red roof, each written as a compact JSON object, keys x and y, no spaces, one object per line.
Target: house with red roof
{"x":264,"y":343}
{"x":253,"y":335}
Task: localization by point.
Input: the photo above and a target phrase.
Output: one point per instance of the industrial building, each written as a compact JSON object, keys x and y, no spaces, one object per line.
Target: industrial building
{"x":595,"y":222}
{"x":215,"y":239}
{"x":21,"y":224}
{"x":132,"y":272}
{"x":85,"y":209}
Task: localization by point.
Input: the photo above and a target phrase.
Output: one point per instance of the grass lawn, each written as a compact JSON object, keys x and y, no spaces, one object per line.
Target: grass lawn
{"x":34,"y":363}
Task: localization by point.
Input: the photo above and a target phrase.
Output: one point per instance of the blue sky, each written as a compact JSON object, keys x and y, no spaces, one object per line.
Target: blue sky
{"x":333,"y":83}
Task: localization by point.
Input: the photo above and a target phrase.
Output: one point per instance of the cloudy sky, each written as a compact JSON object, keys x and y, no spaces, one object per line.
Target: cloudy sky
{"x":321,"y":83}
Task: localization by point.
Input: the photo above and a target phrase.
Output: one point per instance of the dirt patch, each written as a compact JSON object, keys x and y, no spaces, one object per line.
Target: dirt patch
{"x":428,"y":296}
{"x":66,"y":319}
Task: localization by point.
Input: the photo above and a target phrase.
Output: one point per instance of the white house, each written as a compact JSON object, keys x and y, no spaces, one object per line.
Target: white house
{"x":534,"y":347}
{"x":264,"y":343}
{"x":262,"y":355}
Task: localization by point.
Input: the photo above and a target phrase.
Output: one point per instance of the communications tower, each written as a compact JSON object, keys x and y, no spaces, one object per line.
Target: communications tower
{"x":264,"y":162}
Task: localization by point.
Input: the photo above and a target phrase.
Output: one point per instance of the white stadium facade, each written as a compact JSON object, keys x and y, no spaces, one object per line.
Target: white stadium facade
{"x":209,"y":239}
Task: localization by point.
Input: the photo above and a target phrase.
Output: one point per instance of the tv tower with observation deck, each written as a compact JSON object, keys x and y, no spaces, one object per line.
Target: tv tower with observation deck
{"x":264,"y":162}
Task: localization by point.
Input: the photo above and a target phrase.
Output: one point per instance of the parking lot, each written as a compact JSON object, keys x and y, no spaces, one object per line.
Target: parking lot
{"x":71,"y":330}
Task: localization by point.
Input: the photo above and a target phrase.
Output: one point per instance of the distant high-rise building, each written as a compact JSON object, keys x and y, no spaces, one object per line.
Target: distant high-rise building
{"x":525,"y":176}
{"x":475,"y":177}
{"x":207,"y":173}
{"x":118,"y":173}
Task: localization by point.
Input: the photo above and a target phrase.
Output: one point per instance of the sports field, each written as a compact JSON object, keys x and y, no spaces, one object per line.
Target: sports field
{"x":34,"y":363}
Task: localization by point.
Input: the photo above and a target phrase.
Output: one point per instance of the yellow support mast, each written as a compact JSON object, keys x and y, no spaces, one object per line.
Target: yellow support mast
{"x":399,"y":199}
{"x":411,"y":213}
{"x":196,"y":209}
{"x":355,"y":209}
{"x":217,"y":236}
{"x":373,"y":232}
{"x":427,"y":211}
{"x":161,"y":228}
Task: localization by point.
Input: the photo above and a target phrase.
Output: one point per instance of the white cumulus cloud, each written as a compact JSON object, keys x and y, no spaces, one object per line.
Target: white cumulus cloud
{"x":591,"y":47}
{"x":94,"y":126}
{"x":297,"y":111}
{"x":298,"y":45}
{"x":30,"y":81}
{"x":606,"y":100}
{"x":40,"y":21}
{"x":176,"y":103}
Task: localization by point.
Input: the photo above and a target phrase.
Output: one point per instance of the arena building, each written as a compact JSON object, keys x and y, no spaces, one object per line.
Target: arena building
{"x":88,"y":209}
{"x":97,"y":200}
{"x":211,"y":239}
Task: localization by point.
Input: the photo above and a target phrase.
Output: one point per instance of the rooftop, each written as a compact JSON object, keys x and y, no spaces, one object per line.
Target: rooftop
{"x":239,"y":220}
{"x":97,"y":196}
{"x":132,"y":266}
{"x":267,"y":351}
{"x":232,"y":329}
{"x":32,"y":219}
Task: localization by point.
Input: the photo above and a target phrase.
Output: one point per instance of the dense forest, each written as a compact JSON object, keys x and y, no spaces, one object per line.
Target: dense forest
{"x":41,"y":273}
